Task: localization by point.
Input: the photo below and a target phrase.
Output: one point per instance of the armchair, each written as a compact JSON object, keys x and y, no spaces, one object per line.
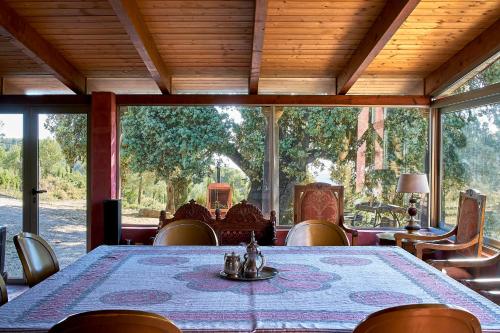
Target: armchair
{"x":468,"y":232}
{"x":321,"y":201}
{"x":479,"y":274}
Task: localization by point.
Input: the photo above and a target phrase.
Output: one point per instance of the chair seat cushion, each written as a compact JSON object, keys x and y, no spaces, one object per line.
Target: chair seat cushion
{"x":457,"y":273}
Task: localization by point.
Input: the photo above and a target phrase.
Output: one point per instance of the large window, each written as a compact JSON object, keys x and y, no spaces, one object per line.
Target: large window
{"x":363,"y":149}
{"x":170,"y":155}
{"x":471,"y":158}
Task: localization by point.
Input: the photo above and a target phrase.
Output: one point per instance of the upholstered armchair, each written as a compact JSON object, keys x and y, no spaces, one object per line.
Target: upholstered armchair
{"x":321,"y":201}
{"x":468,"y":232}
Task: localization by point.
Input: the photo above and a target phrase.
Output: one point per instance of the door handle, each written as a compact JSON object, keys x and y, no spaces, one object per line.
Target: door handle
{"x":34,"y":191}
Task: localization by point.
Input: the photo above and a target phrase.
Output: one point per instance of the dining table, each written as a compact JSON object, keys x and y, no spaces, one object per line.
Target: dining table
{"x":317,"y":289}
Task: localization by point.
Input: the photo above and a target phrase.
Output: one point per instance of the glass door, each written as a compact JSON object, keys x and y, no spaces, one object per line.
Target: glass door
{"x":11,"y":192}
{"x":62,"y":184}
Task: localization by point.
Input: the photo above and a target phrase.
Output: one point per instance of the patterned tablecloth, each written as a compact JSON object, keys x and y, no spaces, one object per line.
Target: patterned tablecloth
{"x":318,"y":289}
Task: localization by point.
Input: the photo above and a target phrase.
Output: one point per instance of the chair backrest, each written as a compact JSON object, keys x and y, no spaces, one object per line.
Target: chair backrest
{"x":115,"y":321}
{"x":420,"y":318}
{"x":3,"y":292}
{"x":318,"y":201}
{"x":37,"y":257}
{"x":186,"y":232}
{"x":470,"y":220}
{"x":243,"y":218}
{"x":316,"y":233}
{"x":188,"y":211}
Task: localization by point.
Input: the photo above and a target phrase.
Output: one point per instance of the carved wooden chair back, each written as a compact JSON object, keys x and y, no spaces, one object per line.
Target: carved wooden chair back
{"x":318,"y":201}
{"x":37,"y":257}
{"x":3,"y":291}
{"x":115,"y":321}
{"x":316,"y":233}
{"x":420,"y":318}
{"x":243,"y":218}
{"x":189,"y":211}
{"x":470,"y":221}
{"x":186,"y":232}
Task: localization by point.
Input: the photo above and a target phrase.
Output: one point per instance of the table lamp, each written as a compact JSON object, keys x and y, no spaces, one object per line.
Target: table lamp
{"x":412,"y":183}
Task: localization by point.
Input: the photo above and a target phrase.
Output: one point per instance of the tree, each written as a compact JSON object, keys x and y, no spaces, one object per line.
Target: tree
{"x":70,"y":131}
{"x":176,"y":143}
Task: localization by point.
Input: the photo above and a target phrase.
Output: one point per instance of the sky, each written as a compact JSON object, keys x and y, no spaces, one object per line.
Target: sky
{"x":13,"y":126}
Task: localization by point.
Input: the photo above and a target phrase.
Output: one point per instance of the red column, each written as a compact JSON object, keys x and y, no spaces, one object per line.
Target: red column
{"x":103,"y":161}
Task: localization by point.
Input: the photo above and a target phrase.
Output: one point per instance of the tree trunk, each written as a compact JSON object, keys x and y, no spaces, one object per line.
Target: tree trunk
{"x":170,"y":197}
{"x":140,"y":189}
{"x":255,"y":195}
{"x":286,"y":197}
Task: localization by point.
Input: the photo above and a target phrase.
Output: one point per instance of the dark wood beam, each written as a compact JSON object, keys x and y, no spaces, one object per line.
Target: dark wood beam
{"x":483,"y":48}
{"x":384,"y":27}
{"x":39,"y":49}
{"x":258,"y":100}
{"x":285,"y":100}
{"x":259,"y":28}
{"x":130,"y":17}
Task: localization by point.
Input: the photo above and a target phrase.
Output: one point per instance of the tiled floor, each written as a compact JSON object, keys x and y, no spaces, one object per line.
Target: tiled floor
{"x":14,"y":290}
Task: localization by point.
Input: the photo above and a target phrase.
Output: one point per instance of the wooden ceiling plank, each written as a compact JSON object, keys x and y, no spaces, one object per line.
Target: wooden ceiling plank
{"x":456,"y":69}
{"x":259,"y":29}
{"x":386,"y":24}
{"x":30,"y":42}
{"x":131,"y":19}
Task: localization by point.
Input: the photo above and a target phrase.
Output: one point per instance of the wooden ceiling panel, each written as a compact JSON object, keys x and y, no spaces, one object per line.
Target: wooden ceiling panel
{"x":387,"y":85}
{"x":123,"y":86}
{"x":210,"y":85}
{"x":297,"y":86}
{"x":13,"y":61}
{"x":434,"y":32}
{"x":314,"y":36}
{"x":202,"y":37}
{"x":34,"y":85}
{"x":72,"y":25}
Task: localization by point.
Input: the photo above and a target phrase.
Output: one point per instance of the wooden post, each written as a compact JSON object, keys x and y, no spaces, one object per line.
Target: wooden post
{"x":103,"y":161}
{"x":270,"y":186}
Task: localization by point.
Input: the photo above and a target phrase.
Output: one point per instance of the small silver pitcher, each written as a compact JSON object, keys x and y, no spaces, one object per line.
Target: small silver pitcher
{"x":232,"y":264}
{"x":250,"y":267}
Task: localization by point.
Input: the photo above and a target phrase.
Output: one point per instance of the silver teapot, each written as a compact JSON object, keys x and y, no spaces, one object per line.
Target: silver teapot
{"x":232,"y":264}
{"x":250,"y":268}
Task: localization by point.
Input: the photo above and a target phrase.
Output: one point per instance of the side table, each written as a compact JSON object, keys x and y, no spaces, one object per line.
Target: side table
{"x":388,"y":239}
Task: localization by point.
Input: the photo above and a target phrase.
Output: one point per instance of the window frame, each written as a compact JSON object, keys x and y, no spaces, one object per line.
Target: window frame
{"x":456,"y":103}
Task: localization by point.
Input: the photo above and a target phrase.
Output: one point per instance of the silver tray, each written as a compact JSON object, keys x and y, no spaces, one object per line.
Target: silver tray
{"x":266,"y":273}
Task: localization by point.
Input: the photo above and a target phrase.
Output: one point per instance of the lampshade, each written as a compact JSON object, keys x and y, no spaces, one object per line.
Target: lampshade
{"x":413,"y":183}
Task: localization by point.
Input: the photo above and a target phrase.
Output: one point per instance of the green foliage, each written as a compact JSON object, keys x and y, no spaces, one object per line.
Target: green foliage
{"x":70,"y":131}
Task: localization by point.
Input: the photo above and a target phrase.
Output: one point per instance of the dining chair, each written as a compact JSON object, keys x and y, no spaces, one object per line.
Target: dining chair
{"x":321,"y":201}
{"x":115,"y":321}
{"x":467,"y":234}
{"x":420,"y":318}
{"x":37,"y":257}
{"x":186,"y":232}
{"x":3,"y":292}
{"x":316,"y":233}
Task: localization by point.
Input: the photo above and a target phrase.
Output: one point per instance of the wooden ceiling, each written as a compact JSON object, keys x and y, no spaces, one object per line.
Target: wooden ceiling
{"x":362,"y":47}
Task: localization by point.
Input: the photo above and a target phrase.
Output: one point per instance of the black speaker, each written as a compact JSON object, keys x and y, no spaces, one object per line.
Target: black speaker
{"x":112,"y":222}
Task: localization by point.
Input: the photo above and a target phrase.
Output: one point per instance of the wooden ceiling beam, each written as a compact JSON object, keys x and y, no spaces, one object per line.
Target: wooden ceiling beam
{"x":384,"y":27}
{"x":456,"y":69}
{"x":284,"y":100}
{"x":259,"y":28}
{"x":30,"y":42}
{"x":129,"y":15}
{"x":250,"y":100}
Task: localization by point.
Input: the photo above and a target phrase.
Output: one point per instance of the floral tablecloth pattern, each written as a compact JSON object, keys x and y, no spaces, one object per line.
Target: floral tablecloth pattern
{"x":327,"y":289}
